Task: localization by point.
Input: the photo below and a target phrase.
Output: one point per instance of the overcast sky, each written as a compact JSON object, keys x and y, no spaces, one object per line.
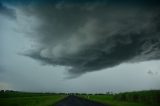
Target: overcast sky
{"x":79,"y":46}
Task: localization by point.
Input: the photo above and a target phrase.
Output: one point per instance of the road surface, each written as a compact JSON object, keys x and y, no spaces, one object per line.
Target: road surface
{"x":77,"y":101}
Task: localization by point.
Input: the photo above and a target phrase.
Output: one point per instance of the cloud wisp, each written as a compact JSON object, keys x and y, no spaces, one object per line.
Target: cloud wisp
{"x":90,"y":37}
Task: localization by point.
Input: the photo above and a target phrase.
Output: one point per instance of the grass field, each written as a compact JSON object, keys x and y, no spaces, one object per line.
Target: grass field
{"x":29,"y":99}
{"x":109,"y":100}
{"x":142,"y":98}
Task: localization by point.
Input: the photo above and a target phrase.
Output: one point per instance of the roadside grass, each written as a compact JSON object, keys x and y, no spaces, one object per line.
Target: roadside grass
{"x":31,"y":101}
{"x":151,"y":97}
{"x":109,"y":99}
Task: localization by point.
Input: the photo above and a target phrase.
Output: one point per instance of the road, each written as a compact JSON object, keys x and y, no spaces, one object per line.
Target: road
{"x":77,"y":101}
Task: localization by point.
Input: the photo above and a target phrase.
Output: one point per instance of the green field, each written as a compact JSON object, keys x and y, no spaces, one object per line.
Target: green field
{"x":142,"y":98}
{"x":110,"y":101}
{"x":29,"y":99}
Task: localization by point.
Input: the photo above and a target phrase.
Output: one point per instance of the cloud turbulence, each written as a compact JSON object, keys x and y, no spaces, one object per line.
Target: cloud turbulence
{"x":4,"y":10}
{"x":92,"y":36}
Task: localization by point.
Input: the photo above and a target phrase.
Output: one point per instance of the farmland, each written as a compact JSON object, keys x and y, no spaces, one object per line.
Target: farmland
{"x":141,"y":98}
{"x":29,"y":99}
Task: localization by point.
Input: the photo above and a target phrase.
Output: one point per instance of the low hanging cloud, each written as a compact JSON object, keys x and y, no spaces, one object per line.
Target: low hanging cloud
{"x":90,"y":37}
{"x":6,"y":11}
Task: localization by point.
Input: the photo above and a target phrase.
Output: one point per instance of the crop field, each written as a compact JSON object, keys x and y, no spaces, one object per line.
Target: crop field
{"x":142,"y":98}
{"x":29,"y":99}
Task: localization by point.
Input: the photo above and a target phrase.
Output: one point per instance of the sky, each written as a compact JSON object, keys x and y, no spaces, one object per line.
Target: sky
{"x":79,"y":46}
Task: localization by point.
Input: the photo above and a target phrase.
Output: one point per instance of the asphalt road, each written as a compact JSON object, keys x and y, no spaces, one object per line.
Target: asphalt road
{"x":77,"y":101}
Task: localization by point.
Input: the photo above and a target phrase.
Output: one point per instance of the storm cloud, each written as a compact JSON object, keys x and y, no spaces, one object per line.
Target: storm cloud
{"x":4,"y":10}
{"x":92,"y":36}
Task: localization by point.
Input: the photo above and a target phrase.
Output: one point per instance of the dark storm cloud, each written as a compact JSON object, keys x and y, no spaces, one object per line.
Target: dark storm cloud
{"x":110,"y":2}
{"x":7,"y":11}
{"x":93,"y":37}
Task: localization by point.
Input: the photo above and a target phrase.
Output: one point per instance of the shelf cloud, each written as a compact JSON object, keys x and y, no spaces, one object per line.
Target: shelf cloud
{"x":92,"y":36}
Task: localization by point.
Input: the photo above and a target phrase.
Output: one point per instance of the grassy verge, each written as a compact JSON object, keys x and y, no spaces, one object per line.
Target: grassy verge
{"x":31,"y":101}
{"x":147,"y":97}
{"x":105,"y":99}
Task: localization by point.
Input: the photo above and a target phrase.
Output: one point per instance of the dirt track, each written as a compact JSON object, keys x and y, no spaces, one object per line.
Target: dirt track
{"x":77,"y":101}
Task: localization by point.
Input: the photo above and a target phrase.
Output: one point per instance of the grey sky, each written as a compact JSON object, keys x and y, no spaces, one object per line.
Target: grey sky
{"x":61,"y":47}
